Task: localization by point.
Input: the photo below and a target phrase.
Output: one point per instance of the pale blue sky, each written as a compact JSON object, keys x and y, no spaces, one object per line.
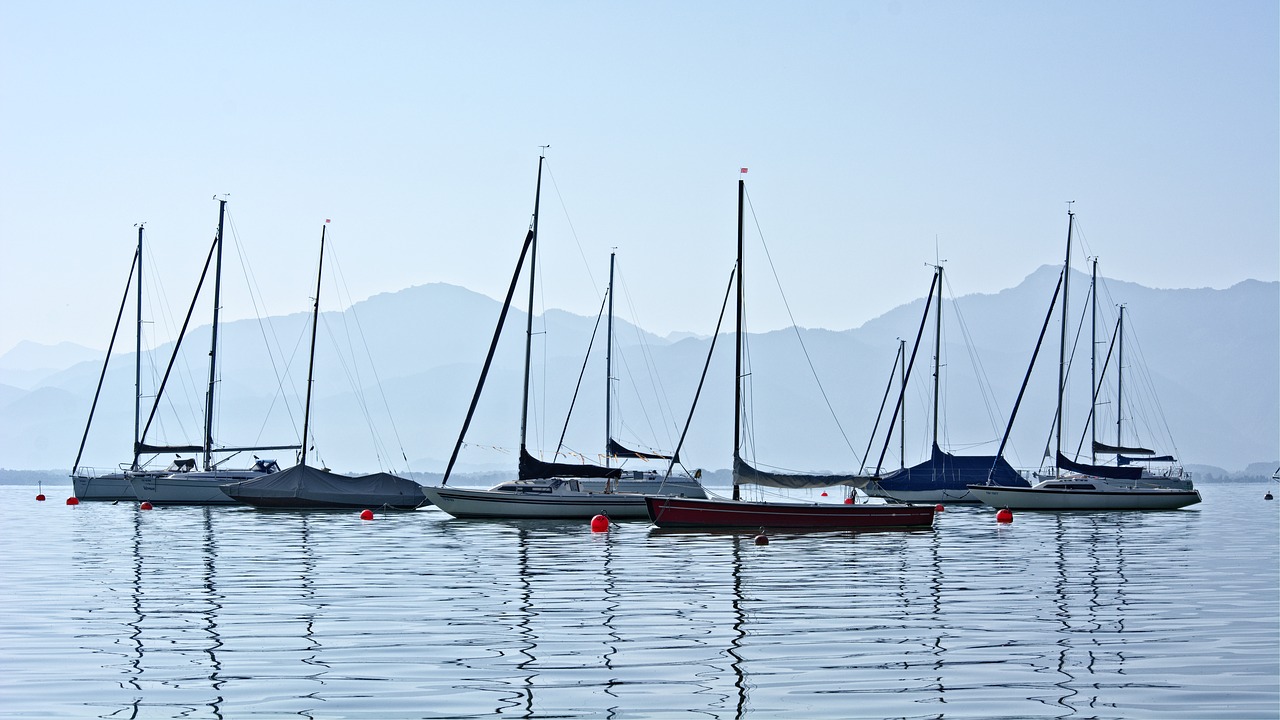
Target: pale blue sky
{"x":870,"y":129}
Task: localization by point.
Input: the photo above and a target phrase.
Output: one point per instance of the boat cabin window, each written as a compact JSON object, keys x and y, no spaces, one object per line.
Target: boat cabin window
{"x":1070,"y":486}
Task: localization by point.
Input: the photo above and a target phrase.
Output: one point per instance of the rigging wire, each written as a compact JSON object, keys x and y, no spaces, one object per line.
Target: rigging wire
{"x":340,"y":283}
{"x":796,"y":329}
{"x":255,"y":296}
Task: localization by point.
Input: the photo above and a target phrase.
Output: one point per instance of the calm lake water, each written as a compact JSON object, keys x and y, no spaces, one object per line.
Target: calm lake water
{"x":109,"y":611}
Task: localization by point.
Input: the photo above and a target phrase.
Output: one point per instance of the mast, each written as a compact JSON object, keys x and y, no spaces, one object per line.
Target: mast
{"x":902,"y":426}
{"x":1062,"y":346}
{"x":1093,"y":362}
{"x":937,"y":353}
{"x":137,"y":360}
{"x":213,"y":345}
{"x":528,"y":337}
{"x":608,"y":368}
{"x":1120,"y":378}
{"x":737,"y":350}
{"x":311,"y":365}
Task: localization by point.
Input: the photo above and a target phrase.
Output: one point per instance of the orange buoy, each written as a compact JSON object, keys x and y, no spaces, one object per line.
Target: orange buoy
{"x":145,"y":505}
{"x":938,"y":508}
{"x":366,"y":514}
{"x":1004,"y":515}
{"x":600,"y":523}
{"x":40,"y":497}
{"x":73,"y":500}
{"x":762,"y":539}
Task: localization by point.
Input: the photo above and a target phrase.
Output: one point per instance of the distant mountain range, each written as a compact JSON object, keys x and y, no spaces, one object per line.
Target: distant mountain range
{"x":395,"y":374}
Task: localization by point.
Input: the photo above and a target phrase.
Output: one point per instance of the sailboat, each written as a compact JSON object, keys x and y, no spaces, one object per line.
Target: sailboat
{"x":1073,"y":485}
{"x":303,"y":487}
{"x":549,"y":489}
{"x":944,"y":477}
{"x":86,"y":483}
{"x":198,"y":487}
{"x":694,"y":513}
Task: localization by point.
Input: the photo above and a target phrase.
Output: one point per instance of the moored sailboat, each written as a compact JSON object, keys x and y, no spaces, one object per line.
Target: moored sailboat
{"x":692,"y":513}
{"x":547,"y":489}
{"x":303,"y":487}
{"x":199,"y":487}
{"x":944,"y":477}
{"x":1072,"y":484}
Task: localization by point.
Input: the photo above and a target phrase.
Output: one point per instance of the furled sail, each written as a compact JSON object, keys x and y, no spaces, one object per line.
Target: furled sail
{"x":1106,"y":471}
{"x":615,"y":449}
{"x":744,"y":474}
{"x":140,"y":448}
{"x":532,"y":468}
{"x":1122,"y":460}
{"x":1115,"y":449}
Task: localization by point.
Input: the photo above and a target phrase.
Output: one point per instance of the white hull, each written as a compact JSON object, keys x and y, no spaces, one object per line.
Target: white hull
{"x":873,"y":489}
{"x":114,"y":486}
{"x":1091,"y":494}
{"x":191,"y":488}
{"x":576,"y":504}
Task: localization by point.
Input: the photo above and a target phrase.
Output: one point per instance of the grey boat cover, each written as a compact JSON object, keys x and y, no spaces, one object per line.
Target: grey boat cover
{"x":303,"y":486}
{"x":745,"y":474}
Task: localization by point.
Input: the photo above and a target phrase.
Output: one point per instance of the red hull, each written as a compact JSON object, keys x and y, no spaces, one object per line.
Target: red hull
{"x":672,"y":512}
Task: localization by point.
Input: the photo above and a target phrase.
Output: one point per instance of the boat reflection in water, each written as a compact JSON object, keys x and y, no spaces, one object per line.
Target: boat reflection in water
{"x":231,"y":612}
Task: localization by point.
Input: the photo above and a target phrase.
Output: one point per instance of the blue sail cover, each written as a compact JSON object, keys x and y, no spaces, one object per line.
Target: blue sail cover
{"x":532,"y":468}
{"x":1105,"y":471}
{"x":945,"y":471}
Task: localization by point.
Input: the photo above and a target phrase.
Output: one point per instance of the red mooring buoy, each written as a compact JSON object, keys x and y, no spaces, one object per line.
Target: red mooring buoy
{"x":762,"y":539}
{"x":824,"y":493}
{"x":73,"y":500}
{"x":366,"y":514}
{"x":600,"y":523}
{"x":40,"y":497}
{"x":1004,"y":515}
{"x":145,"y":505}
{"x":938,"y":508}
{"x":848,"y":501}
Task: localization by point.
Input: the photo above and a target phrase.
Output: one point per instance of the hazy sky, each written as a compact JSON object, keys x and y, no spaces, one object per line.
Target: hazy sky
{"x":872,"y":131}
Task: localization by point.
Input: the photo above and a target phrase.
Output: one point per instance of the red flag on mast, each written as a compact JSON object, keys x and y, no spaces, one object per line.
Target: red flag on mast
{"x":743,"y":171}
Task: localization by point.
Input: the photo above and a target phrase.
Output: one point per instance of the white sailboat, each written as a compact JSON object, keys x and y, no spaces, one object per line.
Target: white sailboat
{"x":1072,"y":485}
{"x":551,"y":489}
{"x":201,"y":487}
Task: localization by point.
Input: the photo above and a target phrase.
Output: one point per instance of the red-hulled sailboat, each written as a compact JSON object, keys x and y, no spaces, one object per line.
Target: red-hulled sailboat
{"x":691,"y":513}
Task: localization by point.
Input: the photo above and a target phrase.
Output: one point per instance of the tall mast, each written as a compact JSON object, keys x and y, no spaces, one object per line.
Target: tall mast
{"x":137,"y":360}
{"x":1120,"y":379}
{"x":311,"y":366}
{"x":737,"y":353}
{"x":1093,"y":361}
{"x":608,"y":369}
{"x":937,"y":353}
{"x":528,"y":337}
{"x":213,"y":346}
{"x":1062,"y":346}
{"x":902,"y":426}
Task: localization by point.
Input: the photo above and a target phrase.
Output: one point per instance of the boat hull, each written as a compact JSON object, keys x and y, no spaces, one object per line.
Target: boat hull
{"x":196,"y":488}
{"x":1039,"y":498}
{"x":691,"y":513}
{"x":112,"y":487}
{"x":465,"y":503}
